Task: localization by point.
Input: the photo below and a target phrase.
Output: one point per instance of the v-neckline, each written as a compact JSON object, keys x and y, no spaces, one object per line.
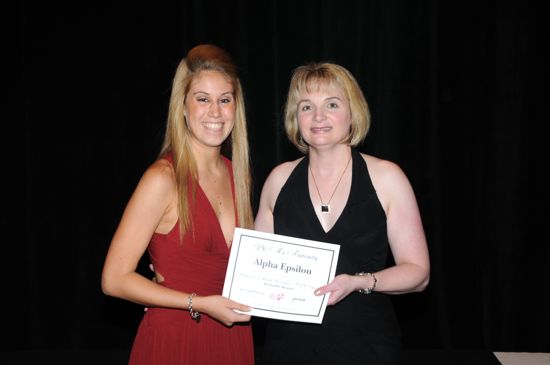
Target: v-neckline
{"x":312,"y":206}
{"x":213,"y":212}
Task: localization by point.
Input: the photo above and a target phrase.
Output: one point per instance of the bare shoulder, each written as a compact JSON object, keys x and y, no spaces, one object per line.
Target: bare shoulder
{"x":275,"y":181}
{"x":283,"y":170}
{"x":161,"y":169}
{"x":270,"y":191}
{"x":280,"y":173}
{"x":159,"y":178}
{"x":384,"y":172}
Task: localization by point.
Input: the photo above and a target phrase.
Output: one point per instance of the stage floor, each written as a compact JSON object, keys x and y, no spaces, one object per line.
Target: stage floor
{"x":411,"y":357}
{"x":523,"y":358}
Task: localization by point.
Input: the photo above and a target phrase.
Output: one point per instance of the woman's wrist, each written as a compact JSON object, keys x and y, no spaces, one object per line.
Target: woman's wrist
{"x":195,"y":315}
{"x":371,"y":285}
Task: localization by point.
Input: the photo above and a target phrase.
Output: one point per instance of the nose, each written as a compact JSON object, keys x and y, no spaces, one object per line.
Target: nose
{"x":214,"y":109}
{"x":319,"y":114}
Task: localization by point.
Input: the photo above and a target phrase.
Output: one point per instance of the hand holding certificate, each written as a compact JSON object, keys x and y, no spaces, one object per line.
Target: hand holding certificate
{"x":277,"y":275}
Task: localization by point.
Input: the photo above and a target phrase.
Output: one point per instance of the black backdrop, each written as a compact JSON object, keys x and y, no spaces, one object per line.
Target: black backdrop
{"x":457,"y":92}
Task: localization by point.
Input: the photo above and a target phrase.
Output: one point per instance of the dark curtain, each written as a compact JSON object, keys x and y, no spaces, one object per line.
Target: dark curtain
{"x":457,"y":94}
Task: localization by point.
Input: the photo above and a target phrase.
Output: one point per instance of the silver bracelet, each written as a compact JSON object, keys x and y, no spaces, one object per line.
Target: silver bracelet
{"x":196,"y":316}
{"x":371,"y":289}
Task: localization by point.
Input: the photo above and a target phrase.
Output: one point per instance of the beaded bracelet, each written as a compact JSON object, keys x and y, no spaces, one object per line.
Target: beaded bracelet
{"x":196,"y":316}
{"x":371,"y":289}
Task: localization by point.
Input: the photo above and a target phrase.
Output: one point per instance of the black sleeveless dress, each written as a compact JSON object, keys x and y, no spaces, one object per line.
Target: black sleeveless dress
{"x":361,"y":329}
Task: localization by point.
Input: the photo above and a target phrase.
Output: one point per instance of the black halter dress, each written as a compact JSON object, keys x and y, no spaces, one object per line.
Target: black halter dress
{"x":361,"y":329}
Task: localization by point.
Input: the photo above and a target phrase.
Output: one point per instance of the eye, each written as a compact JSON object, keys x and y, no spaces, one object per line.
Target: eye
{"x":226,"y":100}
{"x":305,"y":108}
{"x":333,"y":105}
{"x":202,"y":99}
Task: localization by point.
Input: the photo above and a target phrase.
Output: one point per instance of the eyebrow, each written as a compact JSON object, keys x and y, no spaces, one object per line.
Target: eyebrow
{"x":325,"y":99}
{"x":207,"y":93}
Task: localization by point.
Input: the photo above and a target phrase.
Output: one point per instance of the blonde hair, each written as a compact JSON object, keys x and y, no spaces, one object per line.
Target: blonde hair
{"x":206,"y":58}
{"x":315,"y":75}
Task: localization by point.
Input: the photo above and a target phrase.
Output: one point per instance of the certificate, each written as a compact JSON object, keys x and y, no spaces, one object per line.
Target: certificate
{"x":277,"y":275}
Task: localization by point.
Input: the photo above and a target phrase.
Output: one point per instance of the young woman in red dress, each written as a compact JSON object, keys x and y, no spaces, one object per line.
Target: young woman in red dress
{"x":183,"y":213}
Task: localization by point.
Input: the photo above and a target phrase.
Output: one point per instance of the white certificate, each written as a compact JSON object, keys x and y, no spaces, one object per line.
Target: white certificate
{"x":277,"y":275}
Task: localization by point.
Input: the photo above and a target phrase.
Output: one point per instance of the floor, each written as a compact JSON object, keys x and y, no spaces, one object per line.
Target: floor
{"x":523,"y":358}
{"x":411,"y":357}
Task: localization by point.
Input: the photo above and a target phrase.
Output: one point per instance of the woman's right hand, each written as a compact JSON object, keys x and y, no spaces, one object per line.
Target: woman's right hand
{"x":158,"y":278}
{"x":216,"y":306}
{"x":222,"y":309}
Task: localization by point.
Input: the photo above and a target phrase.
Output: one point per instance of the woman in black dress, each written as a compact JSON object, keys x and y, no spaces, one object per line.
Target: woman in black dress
{"x":363,"y":203}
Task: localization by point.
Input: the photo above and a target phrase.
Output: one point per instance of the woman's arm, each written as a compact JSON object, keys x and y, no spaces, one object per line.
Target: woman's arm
{"x":411,"y":271}
{"x":149,"y":205}
{"x":409,"y":248}
{"x":152,"y":205}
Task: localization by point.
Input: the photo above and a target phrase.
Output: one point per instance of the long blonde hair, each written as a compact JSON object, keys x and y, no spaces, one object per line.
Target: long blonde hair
{"x":206,"y":57}
{"x":305,"y":78}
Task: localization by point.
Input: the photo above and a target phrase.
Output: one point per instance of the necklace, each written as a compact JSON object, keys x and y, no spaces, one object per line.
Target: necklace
{"x":325,"y":208}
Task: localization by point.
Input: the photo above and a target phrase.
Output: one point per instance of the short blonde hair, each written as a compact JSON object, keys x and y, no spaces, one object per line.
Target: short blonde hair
{"x":201,"y":58}
{"x":309,"y":76}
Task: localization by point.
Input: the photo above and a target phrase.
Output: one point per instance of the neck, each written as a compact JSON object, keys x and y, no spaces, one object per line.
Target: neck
{"x":327,"y":163}
{"x":208,"y":160}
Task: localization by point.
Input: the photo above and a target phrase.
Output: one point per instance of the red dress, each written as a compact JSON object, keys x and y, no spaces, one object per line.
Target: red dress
{"x":196,"y":265}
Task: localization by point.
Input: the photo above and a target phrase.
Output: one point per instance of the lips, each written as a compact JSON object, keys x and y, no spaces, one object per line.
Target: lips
{"x":321,"y":129}
{"x":213,"y":125}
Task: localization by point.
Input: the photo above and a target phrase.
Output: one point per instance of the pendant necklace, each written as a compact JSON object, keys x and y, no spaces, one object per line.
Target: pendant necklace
{"x":325,"y":208}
